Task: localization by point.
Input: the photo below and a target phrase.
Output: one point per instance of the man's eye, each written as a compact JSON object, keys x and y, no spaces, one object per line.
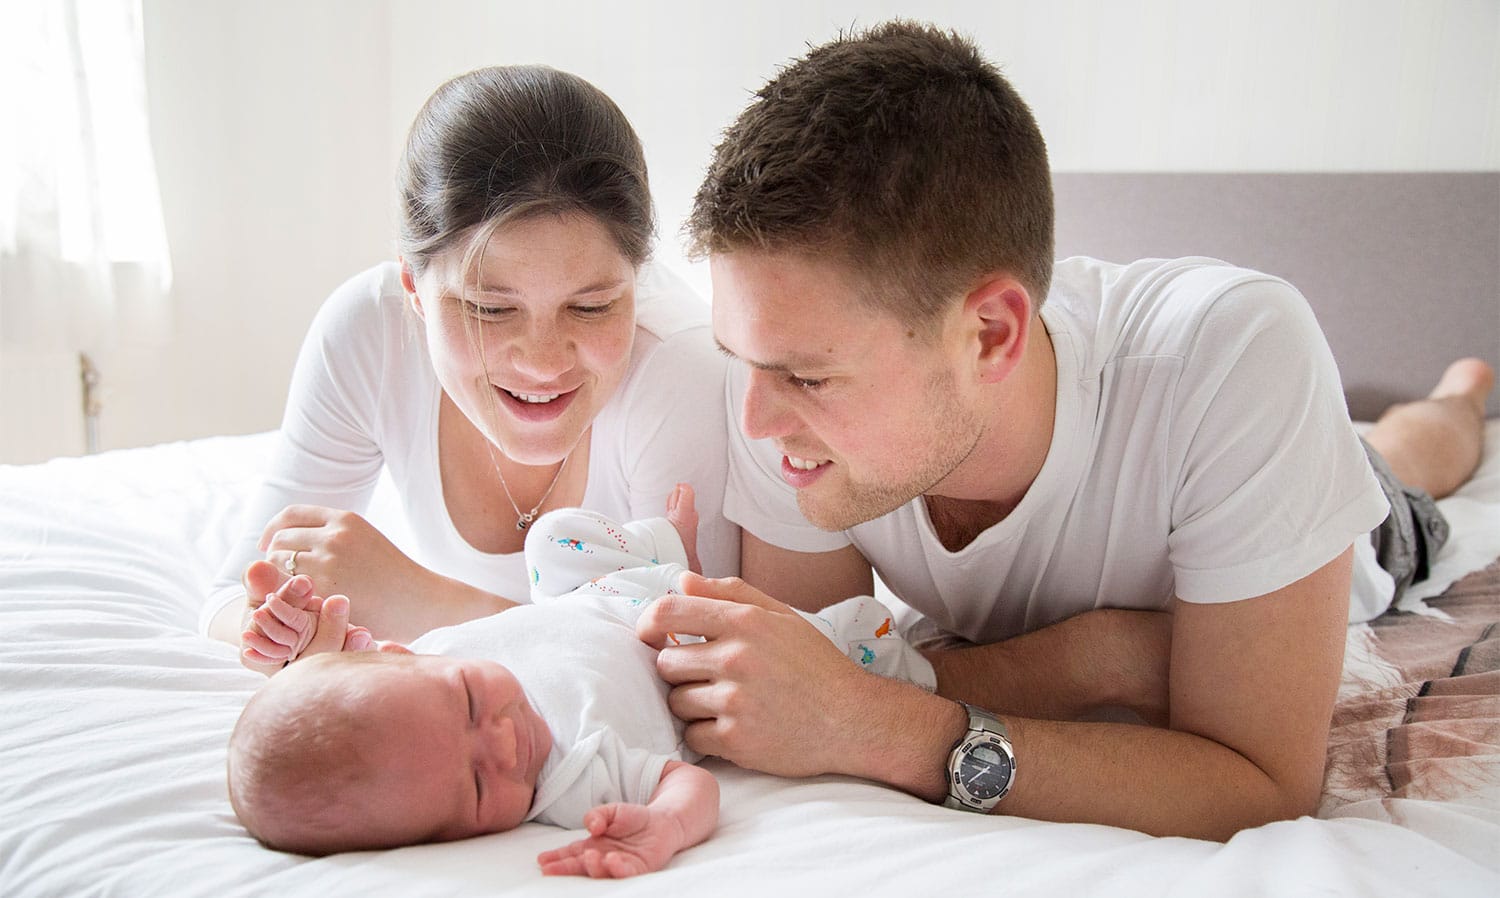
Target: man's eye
{"x":807,"y":383}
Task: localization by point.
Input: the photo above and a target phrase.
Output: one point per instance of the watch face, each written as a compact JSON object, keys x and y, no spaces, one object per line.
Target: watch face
{"x":984,"y":771}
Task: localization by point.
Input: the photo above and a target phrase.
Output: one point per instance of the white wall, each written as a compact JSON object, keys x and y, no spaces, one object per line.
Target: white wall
{"x":277,"y":125}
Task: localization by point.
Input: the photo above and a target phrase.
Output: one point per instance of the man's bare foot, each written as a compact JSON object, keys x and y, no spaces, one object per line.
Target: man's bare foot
{"x":684,"y":517}
{"x":1469,"y":378}
{"x":1436,"y":443}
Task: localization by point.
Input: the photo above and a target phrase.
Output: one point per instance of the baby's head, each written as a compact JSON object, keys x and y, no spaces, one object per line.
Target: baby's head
{"x":363,"y":750}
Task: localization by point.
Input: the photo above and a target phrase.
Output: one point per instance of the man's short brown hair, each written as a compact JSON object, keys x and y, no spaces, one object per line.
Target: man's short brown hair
{"x":899,"y":152}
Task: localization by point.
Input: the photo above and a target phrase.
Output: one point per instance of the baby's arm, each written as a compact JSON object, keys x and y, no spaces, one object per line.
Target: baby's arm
{"x":630,"y":839}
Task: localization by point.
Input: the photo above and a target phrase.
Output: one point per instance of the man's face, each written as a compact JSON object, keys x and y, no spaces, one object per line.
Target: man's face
{"x":867,"y":412}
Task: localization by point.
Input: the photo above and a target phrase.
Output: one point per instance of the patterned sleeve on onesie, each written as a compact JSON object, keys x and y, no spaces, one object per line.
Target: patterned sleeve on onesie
{"x":571,"y":547}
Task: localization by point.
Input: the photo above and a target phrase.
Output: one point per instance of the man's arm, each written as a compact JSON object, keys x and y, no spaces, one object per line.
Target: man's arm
{"x":808,"y":581}
{"x":1099,"y":658}
{"x":1252,"y":686}
{"x":1106,"y":658}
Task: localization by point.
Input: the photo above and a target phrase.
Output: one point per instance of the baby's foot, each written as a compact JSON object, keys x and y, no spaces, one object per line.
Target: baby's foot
{"x":684,"y":517}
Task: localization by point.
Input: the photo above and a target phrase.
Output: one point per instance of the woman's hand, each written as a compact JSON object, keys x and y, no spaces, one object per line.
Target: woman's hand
{"x":392,"y":595}
{"x":292,"y":623}
{"x":342,"y":553}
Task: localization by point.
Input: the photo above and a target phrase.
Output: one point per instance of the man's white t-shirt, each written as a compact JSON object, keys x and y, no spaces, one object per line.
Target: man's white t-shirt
{"x":364,"y":396}
{"x":1201,"y":448}
{"x":595,"y":684}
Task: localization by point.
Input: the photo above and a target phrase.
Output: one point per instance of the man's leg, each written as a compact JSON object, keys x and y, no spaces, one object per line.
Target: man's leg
{"x":1435,"y":443}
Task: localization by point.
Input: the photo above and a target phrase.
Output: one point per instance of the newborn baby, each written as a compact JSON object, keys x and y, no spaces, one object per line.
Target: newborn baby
{"x":390,"y":745}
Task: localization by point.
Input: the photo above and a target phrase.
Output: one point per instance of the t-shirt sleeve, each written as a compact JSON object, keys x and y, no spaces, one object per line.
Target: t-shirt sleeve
{"x":756,"y":498}
{"x":326,"y":451}
{"x":673,"y":432}
{"x":1271,"y":480}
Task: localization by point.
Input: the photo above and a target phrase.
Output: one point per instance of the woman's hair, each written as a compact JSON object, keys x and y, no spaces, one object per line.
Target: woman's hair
{"x":900,"y":152}
{"x":505,"y":143}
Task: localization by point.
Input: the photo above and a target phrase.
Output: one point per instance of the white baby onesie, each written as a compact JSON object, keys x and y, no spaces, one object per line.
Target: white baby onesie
{"x":573,"y":552}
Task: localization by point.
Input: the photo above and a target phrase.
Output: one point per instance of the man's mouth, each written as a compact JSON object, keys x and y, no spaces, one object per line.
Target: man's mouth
{"x":803,"y":464}
{"x":801,"y":473}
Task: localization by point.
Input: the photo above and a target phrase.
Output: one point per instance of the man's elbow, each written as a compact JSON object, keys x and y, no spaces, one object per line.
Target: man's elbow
{"x":1280,"y":804}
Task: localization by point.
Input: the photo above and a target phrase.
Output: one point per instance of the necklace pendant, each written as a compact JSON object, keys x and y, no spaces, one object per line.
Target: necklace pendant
{"x":524,"y":521}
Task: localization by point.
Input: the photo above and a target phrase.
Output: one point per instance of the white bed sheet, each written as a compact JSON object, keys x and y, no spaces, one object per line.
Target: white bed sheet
{"x":114,"y":716}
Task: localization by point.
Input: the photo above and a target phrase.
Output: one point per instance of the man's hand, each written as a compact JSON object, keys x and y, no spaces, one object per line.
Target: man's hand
{"x":765,"y":690}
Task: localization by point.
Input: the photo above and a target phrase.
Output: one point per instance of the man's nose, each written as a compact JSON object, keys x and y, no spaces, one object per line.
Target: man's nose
{"x":765,"y":415}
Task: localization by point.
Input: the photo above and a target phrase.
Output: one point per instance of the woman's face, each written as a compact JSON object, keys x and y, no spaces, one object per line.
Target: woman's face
{"x":533,"y":343}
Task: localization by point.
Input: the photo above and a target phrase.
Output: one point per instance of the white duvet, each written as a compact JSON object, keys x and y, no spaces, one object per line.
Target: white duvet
{"x":114,"y":715}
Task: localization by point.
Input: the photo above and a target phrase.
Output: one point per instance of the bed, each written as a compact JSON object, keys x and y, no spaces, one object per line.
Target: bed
{"x":114,"y":716}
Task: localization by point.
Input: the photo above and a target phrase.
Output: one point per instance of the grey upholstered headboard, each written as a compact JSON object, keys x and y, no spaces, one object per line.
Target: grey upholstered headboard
{"x":1402,"y":270}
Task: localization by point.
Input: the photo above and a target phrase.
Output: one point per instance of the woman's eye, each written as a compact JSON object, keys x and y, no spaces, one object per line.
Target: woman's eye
{"x":487,"y":313}
{"x":593,"y":310}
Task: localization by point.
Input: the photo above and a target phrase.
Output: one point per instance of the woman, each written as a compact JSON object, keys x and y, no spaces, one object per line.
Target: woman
{"x":522,"y":356}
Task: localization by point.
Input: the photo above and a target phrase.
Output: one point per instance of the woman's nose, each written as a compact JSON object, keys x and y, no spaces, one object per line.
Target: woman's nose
{"x":543,"y":354}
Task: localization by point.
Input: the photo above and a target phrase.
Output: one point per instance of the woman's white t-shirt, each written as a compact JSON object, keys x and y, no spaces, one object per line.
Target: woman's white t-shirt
{"x":364,"y":397}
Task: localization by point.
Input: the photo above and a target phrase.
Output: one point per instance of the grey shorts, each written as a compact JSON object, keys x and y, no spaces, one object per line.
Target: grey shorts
{"x":1411,"y":534}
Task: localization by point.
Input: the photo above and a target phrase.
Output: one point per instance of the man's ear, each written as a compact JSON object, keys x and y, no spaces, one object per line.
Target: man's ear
{"x":998,"y":313}
{"x":409,"y":286}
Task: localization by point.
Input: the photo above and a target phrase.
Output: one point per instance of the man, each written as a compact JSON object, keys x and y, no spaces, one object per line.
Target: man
{"x":1142,"y":492}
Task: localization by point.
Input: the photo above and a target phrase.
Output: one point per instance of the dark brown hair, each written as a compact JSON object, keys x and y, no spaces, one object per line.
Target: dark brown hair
{"x":508,"y":142}
{"x":899,"y":152}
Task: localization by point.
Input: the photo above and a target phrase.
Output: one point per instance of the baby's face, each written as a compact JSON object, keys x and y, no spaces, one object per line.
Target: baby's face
{"x":460,"y":751}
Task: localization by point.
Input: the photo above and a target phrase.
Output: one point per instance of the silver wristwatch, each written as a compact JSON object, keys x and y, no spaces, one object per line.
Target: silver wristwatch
{"x":982,"y":764}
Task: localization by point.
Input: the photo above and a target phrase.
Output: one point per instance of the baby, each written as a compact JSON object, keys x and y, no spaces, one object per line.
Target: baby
{"x":386,"y":745}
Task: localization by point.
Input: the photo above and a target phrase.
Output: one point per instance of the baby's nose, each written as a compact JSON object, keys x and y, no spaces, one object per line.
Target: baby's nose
{"x":498,"y":742}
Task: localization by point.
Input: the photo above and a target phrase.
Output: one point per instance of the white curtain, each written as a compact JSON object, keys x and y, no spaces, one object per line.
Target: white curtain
{"x":83,"y":251}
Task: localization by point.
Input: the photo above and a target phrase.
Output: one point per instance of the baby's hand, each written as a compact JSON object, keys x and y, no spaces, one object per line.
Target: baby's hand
{"x":287,"y":625}
{"x":624,"y":840}
{"x":284,"y":625}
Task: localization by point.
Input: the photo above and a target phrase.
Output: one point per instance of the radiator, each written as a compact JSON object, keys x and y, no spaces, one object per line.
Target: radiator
{"x":43,"y":406}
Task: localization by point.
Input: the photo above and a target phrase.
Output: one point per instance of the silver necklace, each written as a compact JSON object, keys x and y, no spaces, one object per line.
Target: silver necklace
{"x":524,"y":518}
